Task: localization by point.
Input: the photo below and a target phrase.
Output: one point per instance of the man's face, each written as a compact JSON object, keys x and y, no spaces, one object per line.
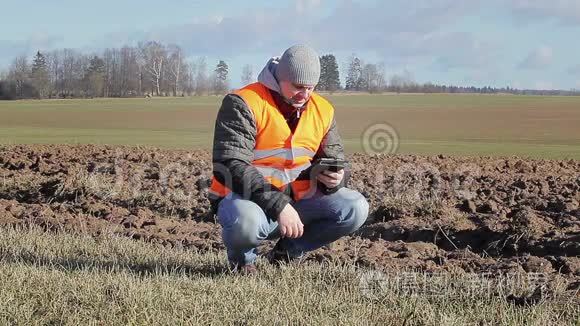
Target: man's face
{"x":297,"y":95}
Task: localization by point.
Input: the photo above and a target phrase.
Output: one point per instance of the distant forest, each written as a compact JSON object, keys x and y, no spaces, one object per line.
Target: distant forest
{"x":156,"y":69}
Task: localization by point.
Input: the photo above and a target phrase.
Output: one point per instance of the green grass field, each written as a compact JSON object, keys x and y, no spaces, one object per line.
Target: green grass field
{"x":425,"y":124}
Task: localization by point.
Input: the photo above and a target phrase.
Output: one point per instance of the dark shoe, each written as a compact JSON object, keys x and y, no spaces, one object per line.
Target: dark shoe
{"x":249,"y":269}
{"x":278,"y":255}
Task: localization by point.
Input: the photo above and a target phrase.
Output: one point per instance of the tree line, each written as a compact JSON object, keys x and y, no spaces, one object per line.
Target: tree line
{"x":149,"y":69}
{"x":370,"y":77}
{"x":155,"y":69}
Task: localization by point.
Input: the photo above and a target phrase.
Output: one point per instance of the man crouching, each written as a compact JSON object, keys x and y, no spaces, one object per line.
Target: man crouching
{"x":267,"y":136}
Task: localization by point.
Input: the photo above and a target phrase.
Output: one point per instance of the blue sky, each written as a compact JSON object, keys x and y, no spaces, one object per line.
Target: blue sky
{"x":520,"y":43}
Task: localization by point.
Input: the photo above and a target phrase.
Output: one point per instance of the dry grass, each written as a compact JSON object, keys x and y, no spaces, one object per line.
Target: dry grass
{"x":75,"y":279}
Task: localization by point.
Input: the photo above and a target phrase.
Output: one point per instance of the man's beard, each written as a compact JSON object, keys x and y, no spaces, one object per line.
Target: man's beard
{"x":295,"y":103}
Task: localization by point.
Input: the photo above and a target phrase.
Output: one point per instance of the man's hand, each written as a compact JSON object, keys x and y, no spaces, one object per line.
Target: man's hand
{"x":289,"y":222}
{"x":330,"y":179}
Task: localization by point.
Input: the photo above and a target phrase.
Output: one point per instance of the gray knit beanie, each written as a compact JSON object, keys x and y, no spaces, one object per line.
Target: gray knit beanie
{"x":299,"y":65}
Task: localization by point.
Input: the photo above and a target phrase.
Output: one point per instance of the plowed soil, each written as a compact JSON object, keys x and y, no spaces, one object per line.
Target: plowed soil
{"x":434,"y":214}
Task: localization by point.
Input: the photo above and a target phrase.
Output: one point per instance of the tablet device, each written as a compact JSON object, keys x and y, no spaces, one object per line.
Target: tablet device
{"x":331,"y":164}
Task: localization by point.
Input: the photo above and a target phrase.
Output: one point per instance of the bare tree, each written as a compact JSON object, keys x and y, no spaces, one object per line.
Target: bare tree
{"x":141,"y":71}
{"x":74,"y":66}
{"x":381,"y":81}
{"x":81,"y":66}
{"x":19,"y":73}
{"x":401,"y":82}
{"x":189,"y":84}
{"x":396,"y":83}
{"x":175,"y":67}
{"x":247,"y":75}
{"x":116,"y":73}
{"x":55,"y":69}
{"x":368,"y":76}
{"x":373,"y":77}
{"x":109,"y":72}
{"x":154,"y":56}
{"x":68,"y":74}
{"x":408,"y":78}
{"x":185,"y":80}
{"x":201,"y":79}
{"x":129,"y":72}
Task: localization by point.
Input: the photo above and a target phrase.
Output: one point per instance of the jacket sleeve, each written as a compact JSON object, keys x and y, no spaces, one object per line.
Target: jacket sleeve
{"x":332,"y":147}
{"x":233,"y":152}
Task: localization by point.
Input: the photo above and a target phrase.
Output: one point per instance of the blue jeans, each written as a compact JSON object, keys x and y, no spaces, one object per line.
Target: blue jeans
{"x":326,"y":218}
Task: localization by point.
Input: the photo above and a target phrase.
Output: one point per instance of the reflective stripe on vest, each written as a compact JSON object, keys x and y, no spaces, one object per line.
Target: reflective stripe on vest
{"x":285,"y":175}
{"x":283,"y":153}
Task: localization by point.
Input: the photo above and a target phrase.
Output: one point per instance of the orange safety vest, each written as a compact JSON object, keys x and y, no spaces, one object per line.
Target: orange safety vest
{"x":280,"y":155}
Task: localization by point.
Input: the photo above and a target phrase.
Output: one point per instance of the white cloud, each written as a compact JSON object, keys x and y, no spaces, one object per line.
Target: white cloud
{"x":561,"y":11}
{"x":410,"y":34}
{"x":394,"y":30}
{"x":463,"y":50}
{"x":538,"y":59}
{"x":407,"y":28}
